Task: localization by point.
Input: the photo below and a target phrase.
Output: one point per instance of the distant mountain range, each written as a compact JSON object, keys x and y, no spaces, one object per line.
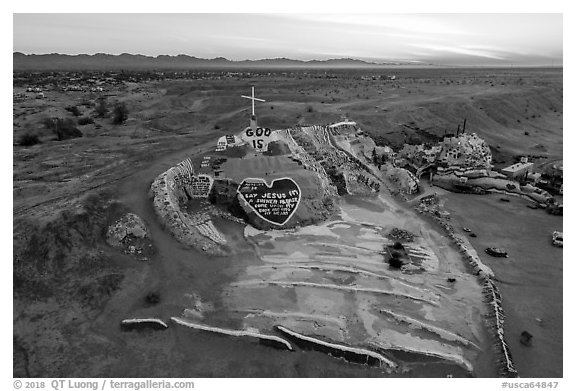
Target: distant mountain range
{"x":101,"y":61}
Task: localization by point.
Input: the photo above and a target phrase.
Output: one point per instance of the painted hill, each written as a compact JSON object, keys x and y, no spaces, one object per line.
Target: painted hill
{"x":102,"y":61}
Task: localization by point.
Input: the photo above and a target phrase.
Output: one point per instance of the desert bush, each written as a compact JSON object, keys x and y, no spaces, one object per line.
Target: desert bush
{"x":64,"y":129}
{"x":120,"y":114}
{"x":85,"y":121}
{"x":152,"y":298}
{"x":395,"y":260}
{"x":28,"y":139}
{"x":73,"y":110}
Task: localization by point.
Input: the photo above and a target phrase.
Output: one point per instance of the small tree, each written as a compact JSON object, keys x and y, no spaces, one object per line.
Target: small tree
{"x":120,"y":114}
{"x":101,"y":107}
{"x":63,"y":128}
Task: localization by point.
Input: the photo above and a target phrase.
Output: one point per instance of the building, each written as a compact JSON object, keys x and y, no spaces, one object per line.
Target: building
{"x":518,"y":170}
{"x":465,"y":150}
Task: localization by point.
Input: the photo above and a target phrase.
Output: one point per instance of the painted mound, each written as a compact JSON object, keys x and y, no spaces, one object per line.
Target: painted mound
{"x":326,"y":282}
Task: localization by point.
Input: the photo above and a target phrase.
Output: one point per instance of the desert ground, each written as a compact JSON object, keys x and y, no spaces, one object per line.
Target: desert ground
{"x":530,"y":279}
{"x":71,"y":289}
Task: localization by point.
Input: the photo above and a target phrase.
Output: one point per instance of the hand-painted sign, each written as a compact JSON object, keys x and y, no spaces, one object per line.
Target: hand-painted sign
{"x":258,"y":138}
{"x":227,"y":141}
{"x":276,"y":203}
{"x":200,"y":186}
{"x":221,"y":144}
{"x":205,"y":161}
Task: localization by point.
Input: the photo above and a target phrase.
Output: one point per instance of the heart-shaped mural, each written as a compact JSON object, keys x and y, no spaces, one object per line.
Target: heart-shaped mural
{"x":274,"y":203}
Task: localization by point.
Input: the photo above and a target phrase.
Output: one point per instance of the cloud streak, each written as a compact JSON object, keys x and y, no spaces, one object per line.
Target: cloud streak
{"x":443,"y":39}
{"x":439,"y":49}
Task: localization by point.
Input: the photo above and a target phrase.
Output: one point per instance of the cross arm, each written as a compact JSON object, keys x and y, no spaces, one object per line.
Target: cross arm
{"x":249,"y":97}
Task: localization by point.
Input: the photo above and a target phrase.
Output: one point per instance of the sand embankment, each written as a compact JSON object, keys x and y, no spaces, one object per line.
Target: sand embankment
{"x":193,"y":230}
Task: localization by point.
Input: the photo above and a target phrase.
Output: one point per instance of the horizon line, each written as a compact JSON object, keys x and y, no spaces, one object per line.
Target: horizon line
{"x":367,"y":61}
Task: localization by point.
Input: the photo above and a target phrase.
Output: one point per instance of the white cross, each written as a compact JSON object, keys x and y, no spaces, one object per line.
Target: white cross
{"x":252,"y":98}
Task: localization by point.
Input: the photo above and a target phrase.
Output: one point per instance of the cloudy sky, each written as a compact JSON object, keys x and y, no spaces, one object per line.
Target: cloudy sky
{"x":443,"y":39}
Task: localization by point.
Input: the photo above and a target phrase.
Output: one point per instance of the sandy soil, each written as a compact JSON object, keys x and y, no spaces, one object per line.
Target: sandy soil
{"x":530,"y":280}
